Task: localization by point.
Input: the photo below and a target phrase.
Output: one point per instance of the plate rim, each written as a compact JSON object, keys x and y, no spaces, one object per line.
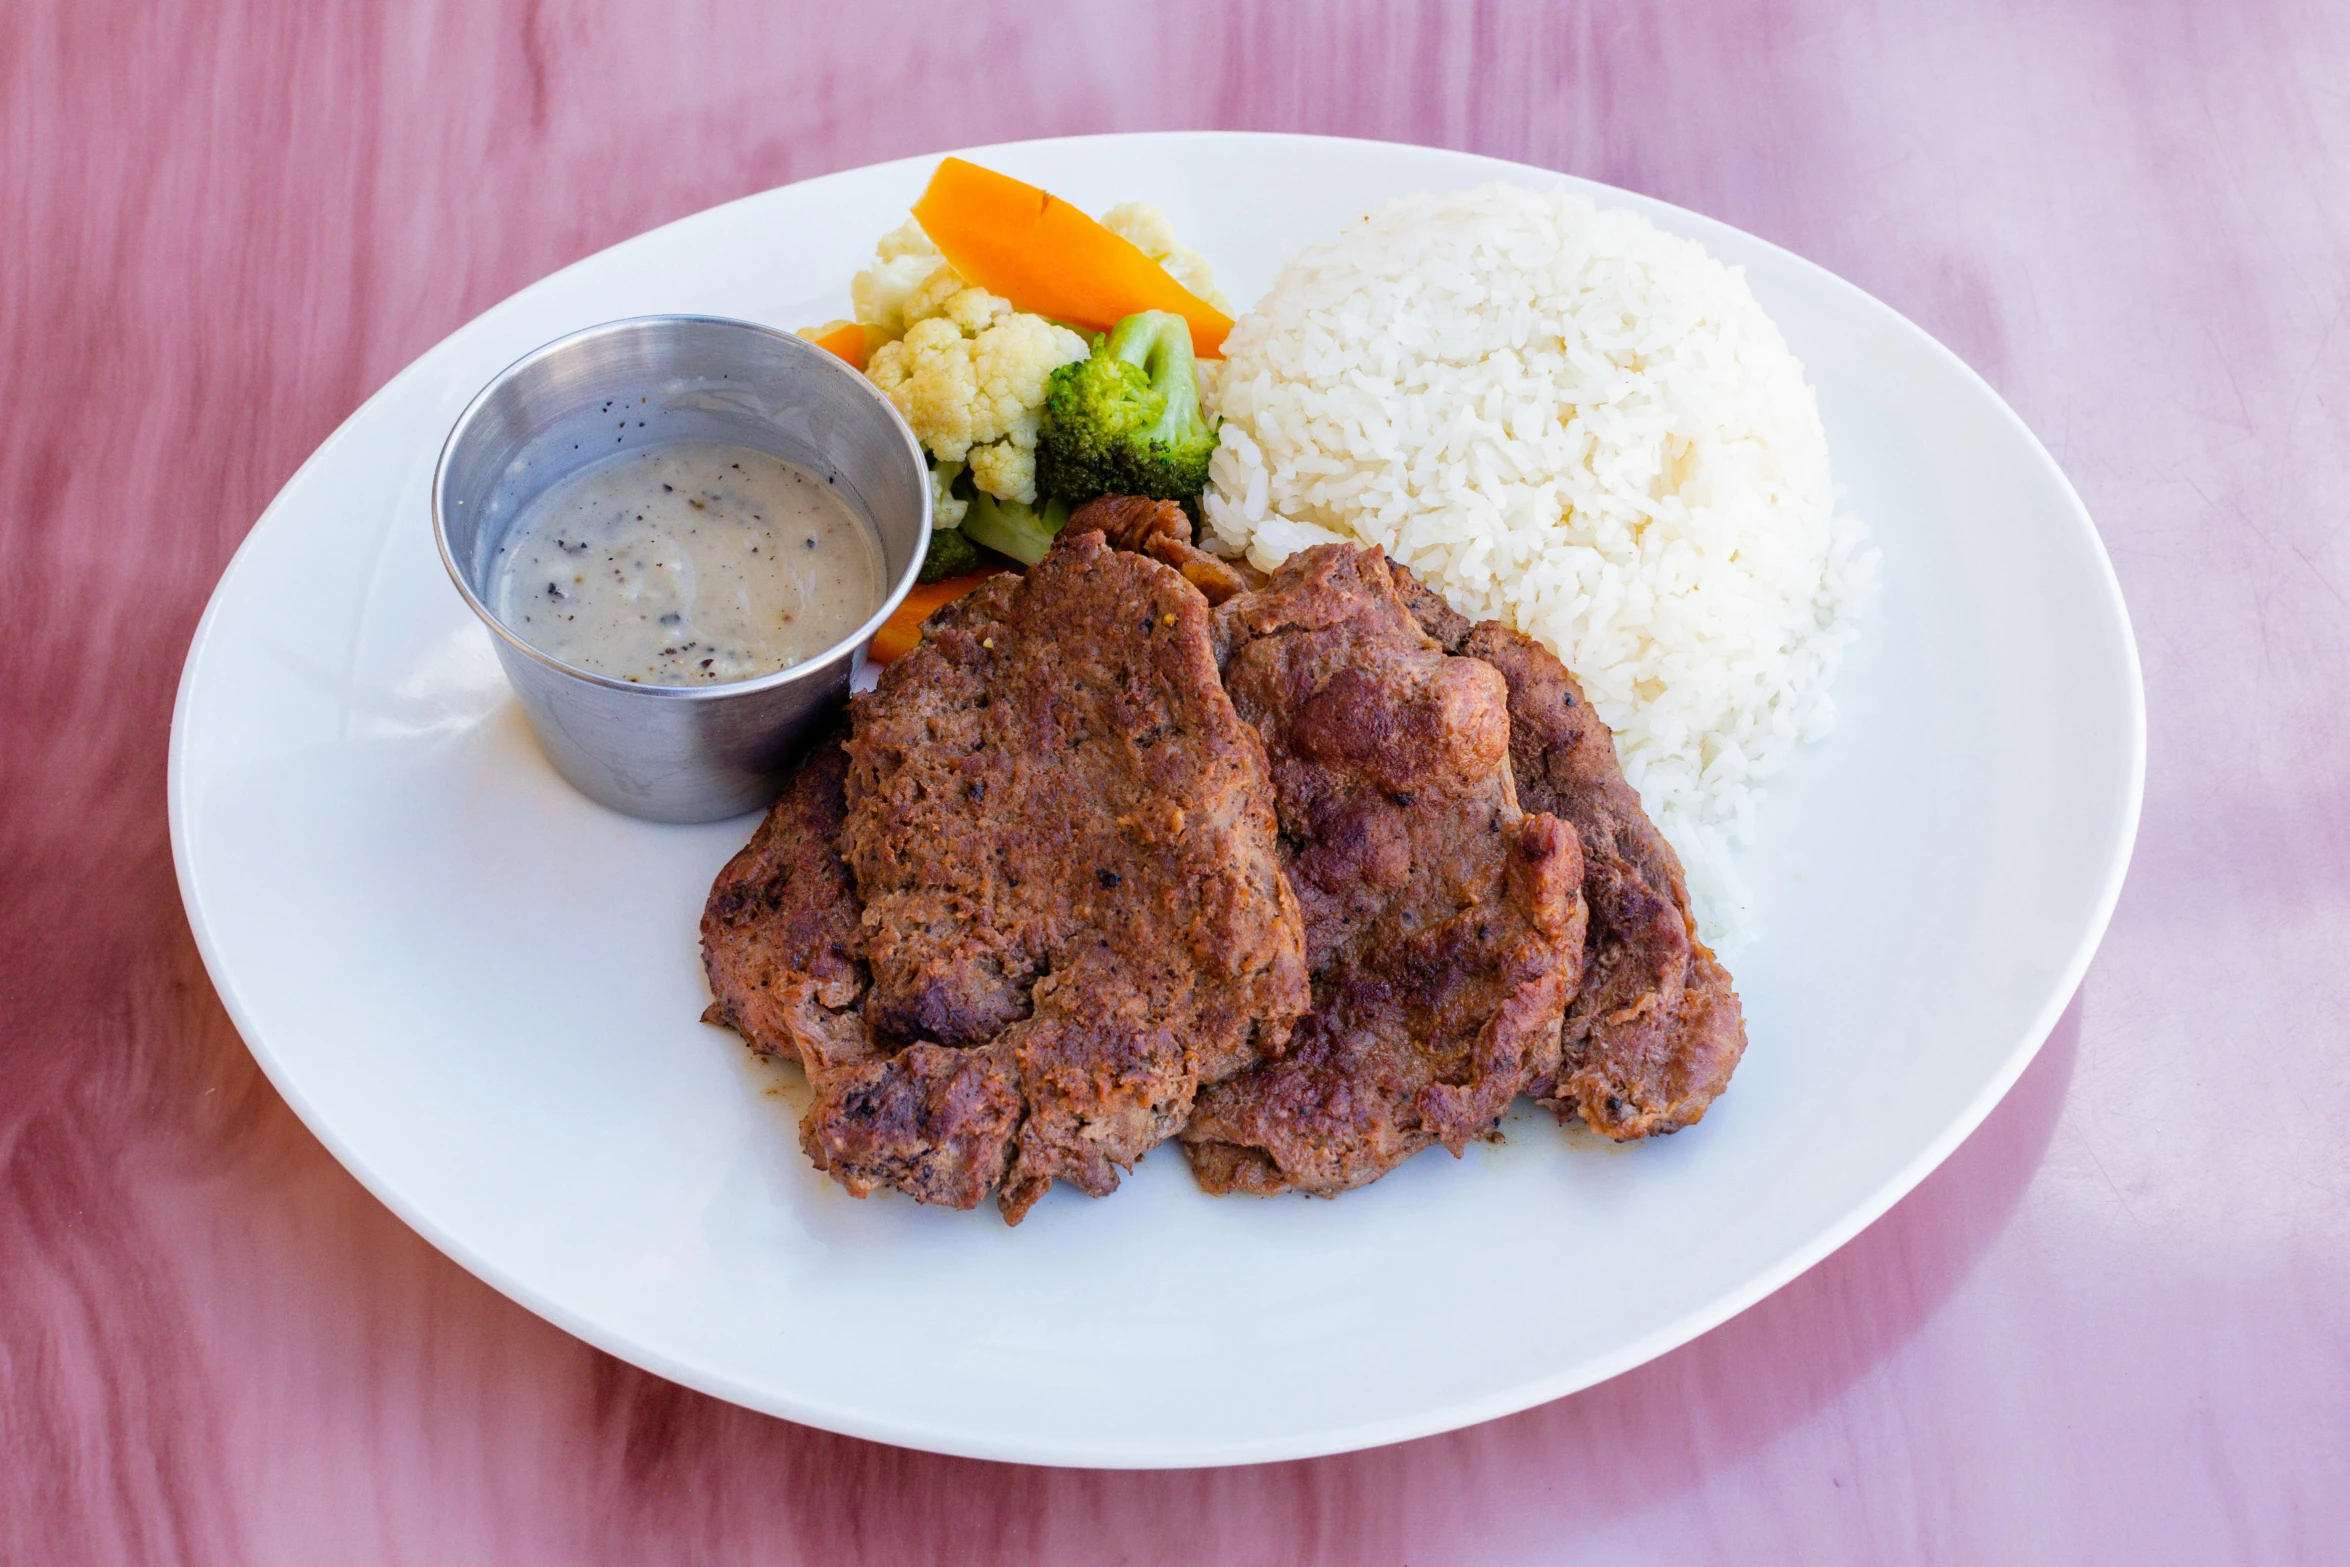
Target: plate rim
{"x":1360,"y":1435}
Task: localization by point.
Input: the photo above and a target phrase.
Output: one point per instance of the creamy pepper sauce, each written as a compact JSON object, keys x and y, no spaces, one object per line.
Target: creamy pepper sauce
{"x":685,"y":565}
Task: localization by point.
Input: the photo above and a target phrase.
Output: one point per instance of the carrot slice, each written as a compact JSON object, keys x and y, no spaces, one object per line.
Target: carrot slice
{"x":1048,"y":258}
{"x":846,"y":339}
{"x":903,"y":629}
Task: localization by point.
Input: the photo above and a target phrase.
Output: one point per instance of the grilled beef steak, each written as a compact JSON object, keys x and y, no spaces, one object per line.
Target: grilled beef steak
{"x":1061,"y":842}
{"x":1656,"y":1029}
{"x":1444,"y":928}
{"x":782,"y":944}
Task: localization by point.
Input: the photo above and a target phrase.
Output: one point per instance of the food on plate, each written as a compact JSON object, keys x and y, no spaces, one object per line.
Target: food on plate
{"x":1032,"y":916}
{"x":687,"y":563}
{"x":1046,"y":256}
{"x":1012,"y":529}
{"x":1126,"y":419}
{"x":899,"y":634}
{"x":968,"y":361}
{"x":1444,"y":927}
{"x":1656,"y":1028}
{"x":951,"y":554}
{"x":1161,"y":530}
{"x":780,"y":940}
{"x":783,"y":946}
{"x":1060,"y":840}
{"x":1150,"y":231}
{"x":970,"y":379}
{"x":843,"y":339}
{"x":1567,"y":421}
{"x":1264,"y":811}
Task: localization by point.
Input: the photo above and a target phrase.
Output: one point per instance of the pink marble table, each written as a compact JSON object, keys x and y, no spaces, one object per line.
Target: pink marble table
{"x":2114,"y":1328}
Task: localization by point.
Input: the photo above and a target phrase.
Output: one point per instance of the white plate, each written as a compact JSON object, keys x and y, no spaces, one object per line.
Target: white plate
{"x":480,"y":991}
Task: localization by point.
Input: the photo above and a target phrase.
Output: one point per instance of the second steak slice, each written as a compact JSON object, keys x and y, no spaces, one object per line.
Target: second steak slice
{"x":1444,"y":928}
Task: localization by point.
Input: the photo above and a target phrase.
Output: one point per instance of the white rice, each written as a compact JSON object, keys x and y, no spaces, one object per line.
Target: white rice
{"x":1569,"y":421}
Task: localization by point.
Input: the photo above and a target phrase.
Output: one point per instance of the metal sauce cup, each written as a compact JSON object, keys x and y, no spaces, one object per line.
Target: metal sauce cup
{"x":676,"y":753}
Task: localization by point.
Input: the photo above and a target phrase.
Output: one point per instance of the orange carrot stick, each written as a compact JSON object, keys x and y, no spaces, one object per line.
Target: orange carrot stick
{"x":843,"y":338}
{"x":1047,"y":257}
{"x":903,"y":629}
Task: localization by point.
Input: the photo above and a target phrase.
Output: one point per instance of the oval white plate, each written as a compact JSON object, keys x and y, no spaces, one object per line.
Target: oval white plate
{"x":481,"y":991}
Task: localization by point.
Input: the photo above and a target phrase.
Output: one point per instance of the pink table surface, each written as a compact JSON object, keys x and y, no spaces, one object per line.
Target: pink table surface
{"x":2112,"y":1328}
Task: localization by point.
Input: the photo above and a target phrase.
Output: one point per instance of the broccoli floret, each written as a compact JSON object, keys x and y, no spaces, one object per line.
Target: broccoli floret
{"x":1025,"y":533}
{"x":1126,"y":419}
{"x":950,"y":555}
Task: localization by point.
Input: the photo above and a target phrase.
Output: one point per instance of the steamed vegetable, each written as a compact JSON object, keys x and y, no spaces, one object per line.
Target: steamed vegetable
{"x":842,"y":339}
{"x":969,"y":375}
{"x":1045,"y":256}
{"x":1015,"y":528}
{"x":1126,"y":420}
{"x":948,"y":494}
{"x":1153,"y":233}
{"x":950,"y":555}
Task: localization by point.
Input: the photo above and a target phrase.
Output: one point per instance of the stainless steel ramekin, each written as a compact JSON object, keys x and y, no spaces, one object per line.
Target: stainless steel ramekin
{"x":675,"y":753}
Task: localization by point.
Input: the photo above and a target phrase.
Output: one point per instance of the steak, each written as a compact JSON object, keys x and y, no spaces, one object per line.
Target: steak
{"x":1034,"y":903}
{"x":1656,"y":1030}
{"x":782,"y":945}
{"x":1444,"y":928}
{"x":781,"y":931}
{"x":1162,"y":530}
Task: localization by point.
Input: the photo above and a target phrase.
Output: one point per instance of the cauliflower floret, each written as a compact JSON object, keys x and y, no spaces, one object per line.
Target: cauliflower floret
{"x":904,"y":263}
{"x":879,"y":293}
{"x":1007,"y":469}
{"x":946,"y":507}
{"x":945,"y":288}
{"x":907,"y":239}
{"x":927,"y":374}
{"x":1147,"y":229}
{"x":970,"y":380}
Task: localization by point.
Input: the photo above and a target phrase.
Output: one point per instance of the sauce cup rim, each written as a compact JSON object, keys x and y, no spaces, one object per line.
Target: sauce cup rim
{"x":817,"y":663}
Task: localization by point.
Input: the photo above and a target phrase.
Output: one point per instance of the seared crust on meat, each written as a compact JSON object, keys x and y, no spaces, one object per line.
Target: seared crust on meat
{"x":1162,"y":530}
{"x":1316,"y":880}
{"x":1064,"y":841}
{"x":1443,"y":927}
{"x":1440,"y":620}
{"x":935,"y":1123}
{"x":780,"y":933}
{"x":1012,"y":923}
{"x":1656,"y":1030}
{"x":782,"y":944}
{"x":1033,"y":788}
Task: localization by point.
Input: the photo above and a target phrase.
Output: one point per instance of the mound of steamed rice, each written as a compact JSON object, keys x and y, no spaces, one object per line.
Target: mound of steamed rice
{"x":1569,"y":421}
